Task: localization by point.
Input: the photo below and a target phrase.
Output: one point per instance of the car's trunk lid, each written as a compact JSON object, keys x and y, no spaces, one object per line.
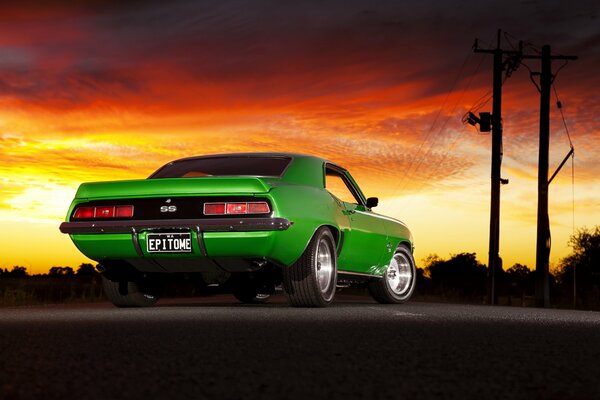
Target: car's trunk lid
{"x":210,"y":185}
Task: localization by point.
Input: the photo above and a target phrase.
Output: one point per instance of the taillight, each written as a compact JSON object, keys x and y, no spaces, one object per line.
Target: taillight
{"x":256,"y":207}
{"x":84,"y":212}
{"x":214,"y":209}
{"x":237,"y":208}
{"x":103,"y":212}
{"x":124,"y":211}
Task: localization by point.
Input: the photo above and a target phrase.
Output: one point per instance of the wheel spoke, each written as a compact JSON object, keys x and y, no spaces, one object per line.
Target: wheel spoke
{"x":324,"y":266}
{"x":399,"y":274}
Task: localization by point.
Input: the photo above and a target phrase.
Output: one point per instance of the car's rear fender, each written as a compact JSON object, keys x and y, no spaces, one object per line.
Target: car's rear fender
{"x":308,"y":208}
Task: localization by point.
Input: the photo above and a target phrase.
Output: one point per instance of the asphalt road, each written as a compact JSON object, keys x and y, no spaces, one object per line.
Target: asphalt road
{"x":214,"y":348}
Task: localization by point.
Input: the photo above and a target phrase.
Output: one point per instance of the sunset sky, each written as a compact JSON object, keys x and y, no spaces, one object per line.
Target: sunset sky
{"x":104,"y":92}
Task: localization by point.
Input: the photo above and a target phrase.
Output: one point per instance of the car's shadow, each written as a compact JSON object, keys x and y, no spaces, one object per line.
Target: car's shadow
{"x":275,"y":301}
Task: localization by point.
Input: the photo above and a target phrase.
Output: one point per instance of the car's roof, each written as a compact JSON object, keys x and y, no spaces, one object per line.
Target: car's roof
{"x":304,"y":169}
{"x":255,"y":154}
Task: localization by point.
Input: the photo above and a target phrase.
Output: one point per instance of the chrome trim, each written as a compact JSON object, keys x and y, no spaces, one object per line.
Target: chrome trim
{"x":359,"y":274}
{"x":200,"y":240}
{"x":136,"y":242}
{"x":207,"y":225}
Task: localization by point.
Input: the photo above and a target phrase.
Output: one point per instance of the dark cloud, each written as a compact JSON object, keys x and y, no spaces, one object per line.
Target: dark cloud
{"x":272,"y":50}
{"x":67,"y":88}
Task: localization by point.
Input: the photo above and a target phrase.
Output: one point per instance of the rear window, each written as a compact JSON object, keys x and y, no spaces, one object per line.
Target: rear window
{"x":223,"y":166}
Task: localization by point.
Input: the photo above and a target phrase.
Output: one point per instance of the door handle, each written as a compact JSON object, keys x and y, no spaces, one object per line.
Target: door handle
{"x":349,"y":212}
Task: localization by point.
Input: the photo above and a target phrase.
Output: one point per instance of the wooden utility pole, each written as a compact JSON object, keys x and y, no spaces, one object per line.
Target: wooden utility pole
{"x":494,"y":261}
{"x":509,"y":64}
{"x":543,"y":243}
{"x":542,"y":253}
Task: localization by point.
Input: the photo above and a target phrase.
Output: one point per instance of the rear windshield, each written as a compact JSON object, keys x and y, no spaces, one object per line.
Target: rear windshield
{"x":223,"y":166}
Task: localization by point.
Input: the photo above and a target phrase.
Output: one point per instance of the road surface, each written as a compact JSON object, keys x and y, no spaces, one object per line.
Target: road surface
{"x":215,"y":348}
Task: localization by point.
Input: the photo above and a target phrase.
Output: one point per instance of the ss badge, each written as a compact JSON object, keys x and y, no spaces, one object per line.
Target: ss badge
{"x":165,"y":209}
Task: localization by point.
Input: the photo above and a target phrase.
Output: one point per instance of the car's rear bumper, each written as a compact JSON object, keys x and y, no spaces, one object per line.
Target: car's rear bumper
{"x":226,"y":241}
{"x":203,"y":225}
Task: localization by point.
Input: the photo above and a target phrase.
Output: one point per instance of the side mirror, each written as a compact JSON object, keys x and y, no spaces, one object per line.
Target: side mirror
{"x":372,"y":202}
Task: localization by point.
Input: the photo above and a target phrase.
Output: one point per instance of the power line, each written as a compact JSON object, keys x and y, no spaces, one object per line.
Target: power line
{"x":450,"y":115}
{"x":560,"y":109}
{"x":439,"y":165}
{"x":426,"y":147}
{"x":572,"y":153}
{"x":418,"y":155}
{"x":562,"y":115}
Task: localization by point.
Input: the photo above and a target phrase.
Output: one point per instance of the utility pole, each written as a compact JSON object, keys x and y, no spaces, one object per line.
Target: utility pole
{"x":543,"y":243}
{"x":494,"y":260}
{"x":542,"y":252}
{"x":510,"y":64}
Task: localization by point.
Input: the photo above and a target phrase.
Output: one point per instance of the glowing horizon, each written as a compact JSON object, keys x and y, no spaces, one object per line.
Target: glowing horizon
{"x":91,"y":93}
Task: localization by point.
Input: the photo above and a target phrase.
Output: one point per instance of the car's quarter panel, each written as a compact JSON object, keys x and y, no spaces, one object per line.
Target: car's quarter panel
{"x":308,"y":208}
{"x":300,"y":198}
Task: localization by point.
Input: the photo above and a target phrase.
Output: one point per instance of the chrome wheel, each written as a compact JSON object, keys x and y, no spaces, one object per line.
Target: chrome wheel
{"x":398,"y":282}
{"x":399,"y":274}
{"x":324,"y":266}
{"x":311,"y":280}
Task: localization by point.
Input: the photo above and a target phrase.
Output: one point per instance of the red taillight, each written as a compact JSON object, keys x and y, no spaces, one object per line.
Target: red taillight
{"x":124,"y":211}
{"x":257,"y":207}
{"x":237,"y":208}
{"x":214,"y":208}
{"x":84,"y":212}
{"x":103,"y":212}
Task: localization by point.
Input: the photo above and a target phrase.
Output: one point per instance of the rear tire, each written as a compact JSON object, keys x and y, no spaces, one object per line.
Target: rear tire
{"x":311,"y":281}
{"x":136,"y":295}
{"x":398,"y":282}
{"x":252,"y":288}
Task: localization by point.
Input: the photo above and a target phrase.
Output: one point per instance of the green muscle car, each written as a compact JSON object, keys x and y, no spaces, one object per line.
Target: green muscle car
{"x":249,"y":222}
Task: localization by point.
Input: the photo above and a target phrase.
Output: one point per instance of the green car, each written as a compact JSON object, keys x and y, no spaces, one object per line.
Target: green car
{"x":249,"y":222}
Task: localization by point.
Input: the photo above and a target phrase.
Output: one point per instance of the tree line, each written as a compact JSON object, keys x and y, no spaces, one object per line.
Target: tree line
{"x":84,"y":270}
{"x":463,"y":277}
{"x":59,"y":285}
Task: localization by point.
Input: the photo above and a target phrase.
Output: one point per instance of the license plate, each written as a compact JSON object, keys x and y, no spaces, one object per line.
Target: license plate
{"x":169,"y":242}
